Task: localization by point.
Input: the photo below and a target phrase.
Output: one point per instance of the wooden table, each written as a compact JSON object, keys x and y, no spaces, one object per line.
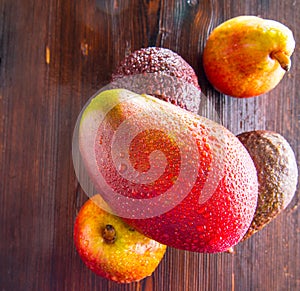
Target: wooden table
{"x":53,"y":56}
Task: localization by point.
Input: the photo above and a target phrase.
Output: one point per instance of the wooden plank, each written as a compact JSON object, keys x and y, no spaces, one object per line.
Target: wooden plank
{"x":54,"y":55}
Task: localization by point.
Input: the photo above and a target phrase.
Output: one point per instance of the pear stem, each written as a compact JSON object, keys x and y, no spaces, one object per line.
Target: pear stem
{"x":282,"y":58}
{"x":109,"y":234}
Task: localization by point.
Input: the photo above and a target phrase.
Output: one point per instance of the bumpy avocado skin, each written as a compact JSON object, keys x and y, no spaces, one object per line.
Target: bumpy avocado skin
{"x":277,"y":174}
{"x":161,"y":73}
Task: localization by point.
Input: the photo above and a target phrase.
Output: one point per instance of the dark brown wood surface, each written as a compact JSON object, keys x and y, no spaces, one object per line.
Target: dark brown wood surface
{"x":53,"y":56}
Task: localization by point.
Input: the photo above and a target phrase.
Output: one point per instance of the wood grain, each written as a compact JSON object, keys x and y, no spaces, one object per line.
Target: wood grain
{"x":53,"y":56}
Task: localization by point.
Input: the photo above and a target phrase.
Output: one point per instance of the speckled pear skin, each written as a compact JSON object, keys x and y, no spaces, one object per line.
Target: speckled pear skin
{"x":214,"y":213}
{"x":162,"y":73}
{"x":277,"y":173}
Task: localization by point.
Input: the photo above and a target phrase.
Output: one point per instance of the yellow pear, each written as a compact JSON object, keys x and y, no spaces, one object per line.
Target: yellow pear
{"x":248,"y":56}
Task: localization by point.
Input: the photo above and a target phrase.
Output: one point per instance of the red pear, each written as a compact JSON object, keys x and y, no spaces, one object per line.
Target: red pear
{"x":111,"y":248}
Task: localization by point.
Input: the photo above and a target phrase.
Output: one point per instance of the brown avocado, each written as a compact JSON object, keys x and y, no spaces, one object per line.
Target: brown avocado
{"x":162,"y":73}
{"x":277,"y":174}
